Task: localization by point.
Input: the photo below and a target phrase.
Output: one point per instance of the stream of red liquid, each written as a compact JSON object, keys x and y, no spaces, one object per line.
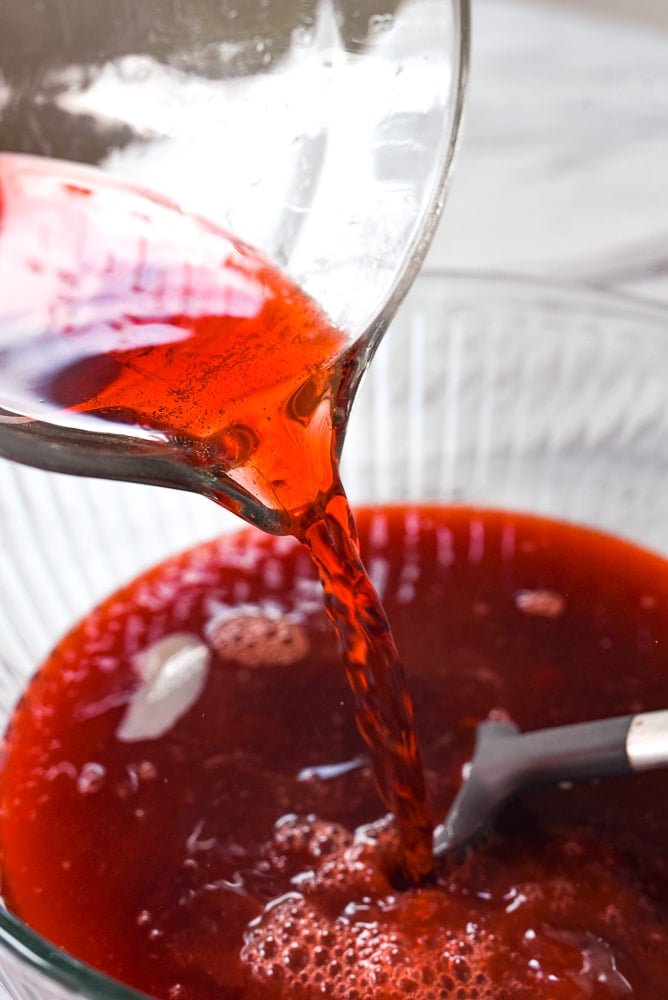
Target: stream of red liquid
{"x":117,"y":305}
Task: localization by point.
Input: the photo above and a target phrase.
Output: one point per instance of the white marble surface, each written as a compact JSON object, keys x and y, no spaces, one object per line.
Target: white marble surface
{"x":563,"y":165}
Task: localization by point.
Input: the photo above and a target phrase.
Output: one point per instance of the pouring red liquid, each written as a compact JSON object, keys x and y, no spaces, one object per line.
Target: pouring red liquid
{"x":219,"y":857}
{"x":156,"y":320}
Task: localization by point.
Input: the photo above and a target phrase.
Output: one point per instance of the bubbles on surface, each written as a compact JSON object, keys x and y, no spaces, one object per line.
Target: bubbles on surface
{"x":258,"y":638}
{"x":342,"y":931}
{"x":540,"y":603}
{"x":146,"y":770}
{"x":91,"y":778}
{"x":296,"y":835}
{"x":353,"y":957}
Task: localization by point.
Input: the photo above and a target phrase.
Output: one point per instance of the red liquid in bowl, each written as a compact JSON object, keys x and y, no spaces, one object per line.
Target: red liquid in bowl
{"x":228,"y":857}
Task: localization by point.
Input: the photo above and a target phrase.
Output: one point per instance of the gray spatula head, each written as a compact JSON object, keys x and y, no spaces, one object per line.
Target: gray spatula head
{"x":506,"y":761}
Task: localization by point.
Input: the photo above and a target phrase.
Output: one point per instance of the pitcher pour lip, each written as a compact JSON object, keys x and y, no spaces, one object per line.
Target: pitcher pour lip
{"x":274,"y":378}
{"x":212,"y":371}
{"x":85,"y":453}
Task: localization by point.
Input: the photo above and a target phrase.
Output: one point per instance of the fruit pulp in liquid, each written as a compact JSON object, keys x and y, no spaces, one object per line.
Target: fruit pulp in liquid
{"x":243,"y":851}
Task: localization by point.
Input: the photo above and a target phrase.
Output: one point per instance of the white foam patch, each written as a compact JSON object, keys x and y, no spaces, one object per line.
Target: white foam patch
{"x":173,"y":672}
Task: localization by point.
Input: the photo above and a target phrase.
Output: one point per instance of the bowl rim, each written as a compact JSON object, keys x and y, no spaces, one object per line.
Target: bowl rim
{"x":57,"y":965}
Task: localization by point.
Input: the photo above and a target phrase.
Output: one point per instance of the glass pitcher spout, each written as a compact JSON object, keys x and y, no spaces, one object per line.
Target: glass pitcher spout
{"x":110,"y":456}
{"x":155,"y":347}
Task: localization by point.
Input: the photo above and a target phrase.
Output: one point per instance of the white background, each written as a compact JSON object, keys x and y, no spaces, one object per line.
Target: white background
{"x":563,"y":165}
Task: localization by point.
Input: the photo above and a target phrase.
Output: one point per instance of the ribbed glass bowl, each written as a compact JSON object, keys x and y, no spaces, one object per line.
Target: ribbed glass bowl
{"x":488,"y":391}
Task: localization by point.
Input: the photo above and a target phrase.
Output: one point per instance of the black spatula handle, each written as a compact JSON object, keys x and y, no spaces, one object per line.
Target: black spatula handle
{"x":573,"y":753}
{"x":507,"y":761}
{"x":594,"y":749}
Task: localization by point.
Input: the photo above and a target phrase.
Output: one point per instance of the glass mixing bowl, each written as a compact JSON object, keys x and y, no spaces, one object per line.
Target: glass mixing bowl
{"x":493,"y":392}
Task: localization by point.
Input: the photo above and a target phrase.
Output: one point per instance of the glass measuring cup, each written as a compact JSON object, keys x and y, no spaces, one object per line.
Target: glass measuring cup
{"x":322,"y":134}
